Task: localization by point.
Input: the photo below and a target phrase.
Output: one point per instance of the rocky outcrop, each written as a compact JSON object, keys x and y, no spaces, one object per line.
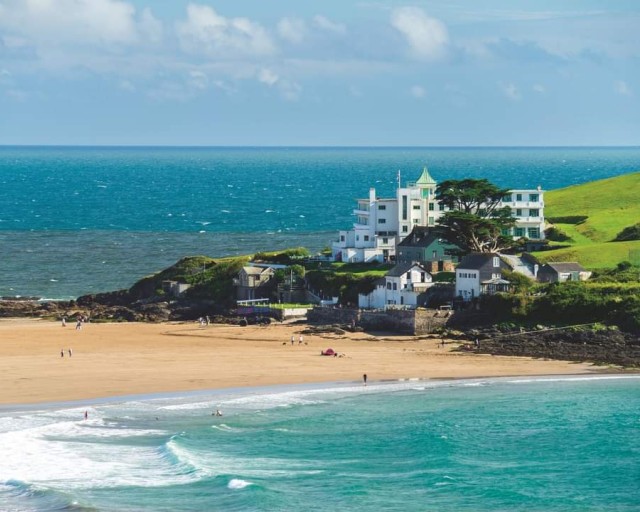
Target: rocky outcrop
{"x":605,"y":346}
{"x":111,"y":307}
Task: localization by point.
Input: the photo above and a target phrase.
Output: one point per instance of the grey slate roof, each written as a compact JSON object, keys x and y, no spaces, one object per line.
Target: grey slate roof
{"x":420,"y":236}
{"x":562,"y":268}
{"x":476,"y":260}
{"x":402,"y":268}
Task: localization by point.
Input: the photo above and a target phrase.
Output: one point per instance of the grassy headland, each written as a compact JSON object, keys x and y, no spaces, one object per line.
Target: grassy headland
{"x":592,"y":215}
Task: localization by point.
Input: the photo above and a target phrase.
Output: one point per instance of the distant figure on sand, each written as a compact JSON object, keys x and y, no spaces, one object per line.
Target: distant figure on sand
{"x":79,"y":324}
{"x":300,"y":340}
{"x":64,"y":321}
{"x":61,"y":352}
{"x":70,"y":352}
{"x":293,"y":339}
{"x":86,"y":415}
{"x":364,"y":378}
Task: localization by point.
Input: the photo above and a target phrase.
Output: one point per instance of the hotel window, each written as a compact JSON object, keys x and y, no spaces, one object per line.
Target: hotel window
{"x":534,"y":233}
{"x":415,"y":221}
{"x":405,"y":229}
{"x":385,"y":241}
{"x":405,"y":206}
{"x":432,"y":207}
{"x":534,"y":212}
{"x":506,"y":232}
{"x":388,"y":286}
{"x":534,"y":197}
{"x":518,"y":212}
{"x":366,"y":238}
{"x":395,"y":286}
{"x":357,"y":238}
{"x":382,"y":207}
{"x":431,"y":221}
{"x":382,"y":221}
{"x":416,"y":206}
{"x":506,"y":199}
{"x":342,"y":238}
{"x":518,"y":197}
{"x":519,"y":232}
{"x":441,"y":207}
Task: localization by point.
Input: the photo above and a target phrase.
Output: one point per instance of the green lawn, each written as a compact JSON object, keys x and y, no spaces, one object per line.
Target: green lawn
{"x":610,"y":205}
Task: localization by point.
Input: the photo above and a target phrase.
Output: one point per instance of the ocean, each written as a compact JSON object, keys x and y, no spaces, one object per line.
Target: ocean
{"x":78,"y":220}
{"x":552,"y":444}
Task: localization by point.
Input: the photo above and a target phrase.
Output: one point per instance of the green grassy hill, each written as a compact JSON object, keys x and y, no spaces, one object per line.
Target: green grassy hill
{"x":609,"y":206}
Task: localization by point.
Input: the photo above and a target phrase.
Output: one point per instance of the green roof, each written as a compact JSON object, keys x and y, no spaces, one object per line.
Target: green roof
{"x":425,"y":178}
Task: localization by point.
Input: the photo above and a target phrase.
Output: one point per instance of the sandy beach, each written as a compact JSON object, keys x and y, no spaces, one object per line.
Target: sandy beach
{"x":128,"y":358}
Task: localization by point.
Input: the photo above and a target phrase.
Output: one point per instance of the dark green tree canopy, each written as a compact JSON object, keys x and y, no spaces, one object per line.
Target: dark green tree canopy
{"x":475,"y":221}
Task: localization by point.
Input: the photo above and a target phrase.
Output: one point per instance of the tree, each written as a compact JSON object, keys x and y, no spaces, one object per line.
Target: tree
{"x":475,"y":221}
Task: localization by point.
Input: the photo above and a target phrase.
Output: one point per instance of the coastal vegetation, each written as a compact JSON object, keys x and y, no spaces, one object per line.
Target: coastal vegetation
{"x":474,"y":222}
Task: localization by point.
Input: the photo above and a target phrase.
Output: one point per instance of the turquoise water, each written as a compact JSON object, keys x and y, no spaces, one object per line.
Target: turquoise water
{"x":84,"y":220}
{"x":529,"y":444}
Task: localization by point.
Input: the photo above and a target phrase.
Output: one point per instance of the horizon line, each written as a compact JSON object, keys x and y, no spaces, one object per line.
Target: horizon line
{"x":303,"y":146}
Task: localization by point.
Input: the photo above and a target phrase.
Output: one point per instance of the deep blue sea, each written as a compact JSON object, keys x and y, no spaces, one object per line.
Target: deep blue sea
{"x":77,"y":220}
{"x":555,"y":444}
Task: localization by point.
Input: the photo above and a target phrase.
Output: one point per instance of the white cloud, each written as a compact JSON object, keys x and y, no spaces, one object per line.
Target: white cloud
{"x":206,"y":32}
{"x":326,"y":24}
{"x":418,"y":92}
{"x":266,"y":76}
{"x":67,"y":22}
{"x":293,"y":30}
{"x":621,"y":87}
{"x":150,"y":26}
{"x":539,"y":88}
{"x":198,"y":80}
{"x":427,"y":37}
{"x":288,"y":89}
{"x":126,"y":85}
{"x":510,"y":90}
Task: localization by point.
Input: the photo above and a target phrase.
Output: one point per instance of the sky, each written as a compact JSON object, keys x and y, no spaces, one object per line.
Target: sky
{"x":320,"y":73}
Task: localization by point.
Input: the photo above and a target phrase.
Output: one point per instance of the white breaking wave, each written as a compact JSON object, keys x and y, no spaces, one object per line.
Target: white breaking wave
{"x":236,"y":483}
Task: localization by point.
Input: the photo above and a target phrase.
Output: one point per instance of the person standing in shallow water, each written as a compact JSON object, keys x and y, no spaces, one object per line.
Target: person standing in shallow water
{"x":364,"y":379}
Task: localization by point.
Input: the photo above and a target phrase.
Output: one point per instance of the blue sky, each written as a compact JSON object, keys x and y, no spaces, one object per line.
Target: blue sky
{"x":331,"y":72}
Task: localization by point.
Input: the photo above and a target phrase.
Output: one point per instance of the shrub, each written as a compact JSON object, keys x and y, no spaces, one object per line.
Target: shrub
{"x":629,"y":233}
{"x":568,"y":219}
{"x":557,"y":235}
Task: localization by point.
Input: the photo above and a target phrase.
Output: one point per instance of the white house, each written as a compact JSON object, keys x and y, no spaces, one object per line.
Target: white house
{"x":401,"y":286}
{"x":382,"y":223}
{"x":480,"y":274}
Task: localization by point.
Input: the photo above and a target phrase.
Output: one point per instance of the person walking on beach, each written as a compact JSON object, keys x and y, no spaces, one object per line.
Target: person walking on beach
{"x":293,"y":340}
{"x":61,"y":352}
{"x":79,"y":324}
{"x":86,"y":415}
{"x":64,"y":321}
{"x":70,"y":352}
{"x":300,"y":340}
{"x":364,"y":378}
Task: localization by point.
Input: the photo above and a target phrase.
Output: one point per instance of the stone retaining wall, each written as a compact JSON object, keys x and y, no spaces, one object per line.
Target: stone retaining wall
{"x":404,"y":321}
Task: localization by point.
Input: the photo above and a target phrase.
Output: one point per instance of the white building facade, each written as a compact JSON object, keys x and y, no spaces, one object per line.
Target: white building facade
{"x":400,"y":287}
{"x":383,"y":223}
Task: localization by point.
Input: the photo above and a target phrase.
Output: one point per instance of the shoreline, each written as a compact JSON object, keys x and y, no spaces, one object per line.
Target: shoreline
{"x":309,"y":387}
{"x":112,"y":361}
